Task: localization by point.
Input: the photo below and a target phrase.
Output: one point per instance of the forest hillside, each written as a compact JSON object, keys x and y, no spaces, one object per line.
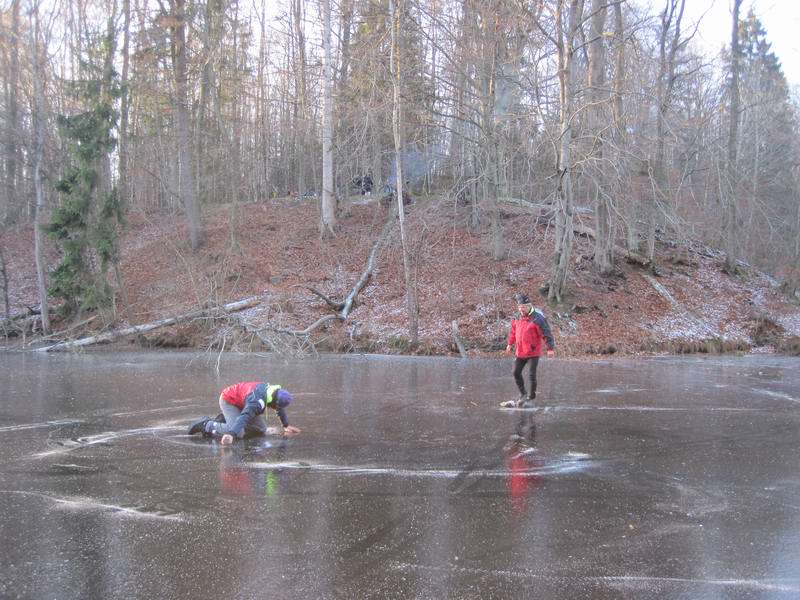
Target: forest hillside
{"x":272,"y":251}
{"x":224,"y":175}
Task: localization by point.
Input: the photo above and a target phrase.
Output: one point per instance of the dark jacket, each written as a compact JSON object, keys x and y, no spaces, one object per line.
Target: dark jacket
{"x":251,"y":398}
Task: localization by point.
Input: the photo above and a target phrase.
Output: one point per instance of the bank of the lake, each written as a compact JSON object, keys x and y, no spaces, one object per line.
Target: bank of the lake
{"x":685,"y":303}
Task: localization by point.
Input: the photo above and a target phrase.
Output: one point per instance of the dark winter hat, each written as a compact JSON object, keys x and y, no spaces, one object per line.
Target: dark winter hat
{"x":522,"y":298}
{"x":282,"y":398}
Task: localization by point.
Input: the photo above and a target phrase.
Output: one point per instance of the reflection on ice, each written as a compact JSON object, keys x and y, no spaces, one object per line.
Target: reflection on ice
{"x":89,"y":504}
{"x":643,"y":582}
{"x":570,"y":463}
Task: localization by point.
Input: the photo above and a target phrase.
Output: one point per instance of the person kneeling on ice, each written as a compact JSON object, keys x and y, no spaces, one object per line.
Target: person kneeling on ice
{"x":527,"y":334}
{"x":242,"y":405}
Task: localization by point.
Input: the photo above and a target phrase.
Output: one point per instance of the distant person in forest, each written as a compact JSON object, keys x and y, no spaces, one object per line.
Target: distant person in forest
{"x":242,"y":406}
{"x":363,"y":184}
{"x":526,"y":335}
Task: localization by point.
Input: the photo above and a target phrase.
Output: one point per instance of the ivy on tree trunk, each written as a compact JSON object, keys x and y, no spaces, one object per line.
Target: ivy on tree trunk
{"x":86,"y":223}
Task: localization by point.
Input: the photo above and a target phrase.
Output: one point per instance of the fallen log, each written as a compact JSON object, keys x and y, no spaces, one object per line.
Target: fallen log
{"x":618,"y":250}
{"x":542,"y":208}
{"x":337,"y":306}
{"x":343,"y":308}
{"x":308,"y":330}
{"x":119,"y":333}
{"x":367,"y":274}
{"x":12,"y":322}
{"x":253,"y":330}
{"x":63,"y":333}
{"x":21,"y":325}
{"x":677,"y":306}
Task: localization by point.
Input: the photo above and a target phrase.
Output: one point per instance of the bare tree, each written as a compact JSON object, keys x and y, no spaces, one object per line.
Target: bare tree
{"x":619,"y":130}
{"x":397,"y":9}
{"x":328,"y":223}
{"x":598,"y":99}
{"x":491,"y":55}
{"x":36,"y":47}
{"x":122,"y":172}
{"x":12,"y":158}
{"x":301,"y":100}
{"x":4,"y":282}
{"x":177,"y":27}
{"x":670,"y":41}
{"x":729,"y":228}
{"x":566,"y":44}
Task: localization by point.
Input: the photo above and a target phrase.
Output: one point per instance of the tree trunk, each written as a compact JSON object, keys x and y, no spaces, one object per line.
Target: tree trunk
{"x":105,"y":186}
{"x":620,"y":133}
{"x":12,"y":118}
{"x":668,"y":45}
{"x":38,"y":111}
{"x":4,"y":281}
{"x":565,"y":194}
{"x":301,"y":101}
{"x":491,"y":40}
{"x":729,"y":225}
{"x":180,"y":71}
{"x":328,"y":223}
{"x":598,"y":96}
{"x":124,"y":192}
{"x":207,"y":87}
{"x":262,"y":136}
{"x":109,"y":336}
{"x":345,"y":26}
{"x":397,"y":8}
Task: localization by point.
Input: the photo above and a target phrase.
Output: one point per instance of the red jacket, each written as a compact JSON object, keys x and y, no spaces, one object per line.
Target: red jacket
{"x":527,"y":334}
{"x":236,"y":394}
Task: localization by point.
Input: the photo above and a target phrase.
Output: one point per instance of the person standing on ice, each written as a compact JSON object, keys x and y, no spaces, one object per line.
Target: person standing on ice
{"x":242,"y":405}
{"x":527,"y":333}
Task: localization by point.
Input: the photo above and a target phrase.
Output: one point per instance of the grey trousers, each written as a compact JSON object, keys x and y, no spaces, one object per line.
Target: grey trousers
{"x":257,"y":425}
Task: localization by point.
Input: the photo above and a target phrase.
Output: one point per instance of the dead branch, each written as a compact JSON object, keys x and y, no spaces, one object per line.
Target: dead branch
{"x":63,"y":333}
{"x":113,"y":335}
{"x":344,"y":308}
{"x":540,"y":208}
{"x":22,"y":324}
{"x":253,"y":330}
{"x":367,"y":274}
{"x":544,"y":210}
{"x":308,"y":330}
{"x":277,"y":343}
{"x":337,"y":306}
{"x":677,"y":306}
{"x":618,"y":250}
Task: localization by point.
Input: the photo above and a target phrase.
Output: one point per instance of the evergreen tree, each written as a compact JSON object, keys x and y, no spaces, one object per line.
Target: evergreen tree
{"x":766,"y":156}
{"x":86,"y":223}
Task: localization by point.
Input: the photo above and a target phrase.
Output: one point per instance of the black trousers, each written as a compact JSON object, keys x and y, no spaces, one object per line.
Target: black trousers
{"x":519,"y":364}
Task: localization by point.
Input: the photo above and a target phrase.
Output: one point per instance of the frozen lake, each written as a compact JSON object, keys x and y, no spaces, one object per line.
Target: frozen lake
{"x":651,"y":478}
